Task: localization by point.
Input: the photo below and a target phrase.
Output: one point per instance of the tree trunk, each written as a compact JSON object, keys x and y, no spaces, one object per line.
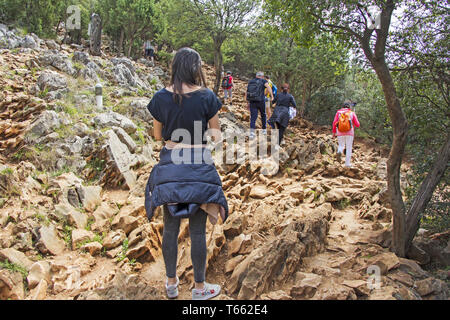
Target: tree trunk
{"x":130,"y":46}
{"x":218,"y":61}
{"x":399,"y":126}
{"x":425,"y":192}
{"x":95,"y":40}
{"x":304,"y":98}
{"x":122,"y":35}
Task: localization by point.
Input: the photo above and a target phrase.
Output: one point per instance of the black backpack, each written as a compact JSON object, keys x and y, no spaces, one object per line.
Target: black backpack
{"x":255,"y":90}
{"x":226,"y":82}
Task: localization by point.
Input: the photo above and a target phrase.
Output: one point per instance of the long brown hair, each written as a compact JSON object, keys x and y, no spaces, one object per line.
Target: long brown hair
{"x":187,"y":69}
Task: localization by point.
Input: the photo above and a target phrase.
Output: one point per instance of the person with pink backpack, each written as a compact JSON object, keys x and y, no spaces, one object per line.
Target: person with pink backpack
{"x":344,"y":124}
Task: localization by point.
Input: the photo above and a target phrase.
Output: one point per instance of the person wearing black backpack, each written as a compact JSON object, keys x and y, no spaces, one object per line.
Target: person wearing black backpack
{"x":227,"y":85}
{"x":256,"y":102}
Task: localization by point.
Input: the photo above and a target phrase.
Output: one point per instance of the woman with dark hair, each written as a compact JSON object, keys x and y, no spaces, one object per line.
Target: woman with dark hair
{"x":280,"y":117}
{"x":183,"y":185}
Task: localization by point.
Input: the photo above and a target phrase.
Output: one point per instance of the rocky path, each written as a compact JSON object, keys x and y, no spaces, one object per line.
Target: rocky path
{"x":72,"y":180}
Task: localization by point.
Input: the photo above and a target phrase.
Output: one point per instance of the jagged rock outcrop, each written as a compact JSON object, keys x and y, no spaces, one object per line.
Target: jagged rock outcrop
{"x":272,"y":264}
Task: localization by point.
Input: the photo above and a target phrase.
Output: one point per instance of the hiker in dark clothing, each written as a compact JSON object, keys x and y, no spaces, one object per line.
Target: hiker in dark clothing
{"x":182,"y":113}
{"x":256,"y":101}
{"x":280,"y":117}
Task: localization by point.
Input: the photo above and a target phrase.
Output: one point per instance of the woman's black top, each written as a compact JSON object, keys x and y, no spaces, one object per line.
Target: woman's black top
{"x":196,"y":109}
{"x":285,"y":99}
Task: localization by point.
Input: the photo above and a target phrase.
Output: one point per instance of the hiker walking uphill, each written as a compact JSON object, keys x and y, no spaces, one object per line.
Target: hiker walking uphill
{"x":344,"y":123}
{"x":281,"y":114}
{"x":227,"y":85}
{"x":267,"y":98}
{"x":256,"y":101}
{"x":184,"y":182}
{"x":149,"y":51}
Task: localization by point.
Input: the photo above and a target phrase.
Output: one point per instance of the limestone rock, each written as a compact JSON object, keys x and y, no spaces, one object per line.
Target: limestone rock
{"x":335,"y":292}
{"x":114,"y":239}
{"x":276,"y":295}
{"x":79,"y":236}
{"x":231,"y":264}
{"x":119,"y":161}
{"x":335,"y":195}
{"x":385,"y":261}
{"x":72,"y":215}
{"x":138,"y":109}
{"x":125,"y":139}
{"x":16,"y":257}
{"x":94,"y":248}
{"x":11,"y":285}
{"x":47,"y":121}
{"x":49,"y":241}
{"x":123,"y":287}
{"x":39,"y":271}
{"x":306,"y":286}
{"x":275,"y":261}
{"x":359,"y":286}
{"x":260,"y":192}
{"x":125,"y":222}
{"x":58,"y":60}
{"x":40,"y":291}
{"x":113,"y":119}
{"x":235,"y":225}
{"x":240,"y":244}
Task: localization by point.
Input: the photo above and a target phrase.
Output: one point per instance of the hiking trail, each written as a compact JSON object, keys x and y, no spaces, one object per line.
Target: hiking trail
{"x":310,"y":229}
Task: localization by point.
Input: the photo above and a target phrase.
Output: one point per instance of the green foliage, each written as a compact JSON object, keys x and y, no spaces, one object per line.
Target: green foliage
{"x":14,"y":268}
{"x":67,"y":234}
{"x":123,"y":254}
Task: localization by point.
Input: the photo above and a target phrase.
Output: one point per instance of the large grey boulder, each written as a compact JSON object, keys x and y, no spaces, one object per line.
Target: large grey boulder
{"x":49,"y":241}
{"x":125,"y":61}
{"x":51,"y":81}
{"x":47,"y":122}
{"x":16,"y":257}
{"x":138,"y":109}
{"x":125,"y":74}
{"x":125,"y":139}
{"x":81,"y":56}
{"x":90,"y":72}
{"x":119,"y":161}
{"x":113,"y":119}
{"x":29,"y":42}
{"x":57,"y":60}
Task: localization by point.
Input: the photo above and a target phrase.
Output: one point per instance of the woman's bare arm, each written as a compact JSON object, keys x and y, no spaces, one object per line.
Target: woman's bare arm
{"x":214,"y":126}
{"x":157,"y":130}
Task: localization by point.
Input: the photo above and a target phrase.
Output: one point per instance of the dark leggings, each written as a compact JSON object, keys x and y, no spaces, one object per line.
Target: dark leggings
{"x":280,"y":132}
{"x":197,"y":232}
{"x":256,"y":107}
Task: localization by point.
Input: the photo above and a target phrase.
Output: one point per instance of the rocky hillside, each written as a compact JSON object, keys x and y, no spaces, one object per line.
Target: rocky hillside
{"x":72,"y":179}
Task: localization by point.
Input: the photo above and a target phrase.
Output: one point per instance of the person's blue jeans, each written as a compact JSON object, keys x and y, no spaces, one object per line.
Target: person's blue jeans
{"x":256,"y":107}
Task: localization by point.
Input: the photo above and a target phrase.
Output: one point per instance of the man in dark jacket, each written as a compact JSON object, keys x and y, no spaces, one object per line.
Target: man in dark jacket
{"x":255,"y":101}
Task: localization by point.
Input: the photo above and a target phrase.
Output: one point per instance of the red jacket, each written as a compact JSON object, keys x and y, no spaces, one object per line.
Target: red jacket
{"x":230,"y":84}
{"x":354,"y":120}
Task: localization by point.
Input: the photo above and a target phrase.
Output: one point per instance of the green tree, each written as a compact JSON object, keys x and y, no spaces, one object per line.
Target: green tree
{"x":127,"y":22}
{"x":219,"y":19}
{"x":355,"y":23}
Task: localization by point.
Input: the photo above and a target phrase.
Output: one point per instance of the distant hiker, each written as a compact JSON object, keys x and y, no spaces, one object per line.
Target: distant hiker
{"x":344,"y":123}
{"x":191,"y":188}
{"x":255,"y":97}
{"x":267,"y":99}
{"x":227,"y":85}
{"x":281,"y":115}
{"x":149,"y":51}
